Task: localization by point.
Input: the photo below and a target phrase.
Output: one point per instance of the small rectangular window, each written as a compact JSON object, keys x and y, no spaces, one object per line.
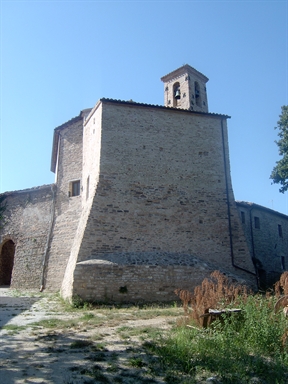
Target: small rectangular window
{"x":74,"y":188}
{"x":257,"y":222}
{"x":280,"y":230}
{"x":283,"y":262}
{"x":243,"y":217}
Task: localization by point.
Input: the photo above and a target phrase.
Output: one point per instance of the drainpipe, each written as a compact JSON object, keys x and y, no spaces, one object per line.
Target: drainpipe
{"x":228,"y":206}
{"x":251,"y":231}
{"x":45,"y":256}
{"x":253,"y":246}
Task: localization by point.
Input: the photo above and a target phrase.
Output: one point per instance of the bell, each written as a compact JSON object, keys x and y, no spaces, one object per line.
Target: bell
{"x":177,"y":94}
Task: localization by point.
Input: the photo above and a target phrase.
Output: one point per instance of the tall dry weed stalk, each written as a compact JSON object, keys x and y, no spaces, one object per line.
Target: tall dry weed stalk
{"x":215,"y":292}
{"x":281,"y":287}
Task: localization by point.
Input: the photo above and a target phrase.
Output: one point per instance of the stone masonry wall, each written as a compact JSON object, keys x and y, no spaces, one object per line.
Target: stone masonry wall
{"x":267,"y":236}
{"x":162,"y":189}
{"x":90,"y":174}
{"x":27,"y":223}
{"x":136,"y":283}
{"x":67,"y":209}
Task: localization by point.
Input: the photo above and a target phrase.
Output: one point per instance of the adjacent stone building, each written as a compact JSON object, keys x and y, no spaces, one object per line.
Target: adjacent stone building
{"x":266,"y":235}
{"x":142,"y":204}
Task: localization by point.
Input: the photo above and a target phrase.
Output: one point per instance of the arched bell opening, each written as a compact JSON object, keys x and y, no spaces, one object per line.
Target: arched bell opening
{"x":176,"y":94}
{"x":7,"y":252}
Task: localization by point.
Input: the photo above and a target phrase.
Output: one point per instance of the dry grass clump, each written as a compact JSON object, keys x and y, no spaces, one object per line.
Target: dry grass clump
{"x":215,"y":292}
{"x":281,"y":287}
{"x":281,"y":292}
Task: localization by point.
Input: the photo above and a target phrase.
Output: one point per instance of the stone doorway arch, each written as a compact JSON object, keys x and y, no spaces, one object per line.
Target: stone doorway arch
{"x":7,"y":252}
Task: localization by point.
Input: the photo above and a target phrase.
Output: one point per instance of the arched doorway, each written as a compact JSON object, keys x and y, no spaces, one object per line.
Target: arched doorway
{"x":6,"y":262}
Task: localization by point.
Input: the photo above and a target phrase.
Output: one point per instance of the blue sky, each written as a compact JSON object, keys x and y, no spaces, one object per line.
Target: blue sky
{"x":58,"y":57}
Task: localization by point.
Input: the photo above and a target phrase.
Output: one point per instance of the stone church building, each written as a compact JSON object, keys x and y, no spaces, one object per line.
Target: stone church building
{"x":142,"y":205}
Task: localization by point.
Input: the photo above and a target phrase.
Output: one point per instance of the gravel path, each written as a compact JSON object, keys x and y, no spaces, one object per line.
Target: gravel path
{"x":80,"y":353}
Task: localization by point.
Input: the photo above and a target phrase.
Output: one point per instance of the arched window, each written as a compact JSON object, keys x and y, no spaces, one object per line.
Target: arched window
{"x":7,"y":252}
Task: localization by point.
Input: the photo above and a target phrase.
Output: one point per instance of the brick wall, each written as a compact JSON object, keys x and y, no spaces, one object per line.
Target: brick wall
{"x":27,"y":223}
{"x":160,"y":188}
{"x":67,"y":207}
{"x":90,"y":175}
{"x":136,"y":283}
{"x":155,"y":198}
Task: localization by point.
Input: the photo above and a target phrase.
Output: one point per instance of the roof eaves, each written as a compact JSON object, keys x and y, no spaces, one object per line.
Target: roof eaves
{"x":177,"y":72}
{"x":133,"y":103}
{"x":28,"y":190}
{"x":56,"y":136}
{"x":69,"y":122}
{"x":250,"y":205}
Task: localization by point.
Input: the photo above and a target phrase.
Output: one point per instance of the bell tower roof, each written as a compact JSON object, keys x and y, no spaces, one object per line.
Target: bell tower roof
{"x":185,"y":69}
{"x":185,"y":88}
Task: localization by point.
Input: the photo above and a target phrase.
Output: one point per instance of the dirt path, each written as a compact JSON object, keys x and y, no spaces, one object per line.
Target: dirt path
{"x":42,"y":342}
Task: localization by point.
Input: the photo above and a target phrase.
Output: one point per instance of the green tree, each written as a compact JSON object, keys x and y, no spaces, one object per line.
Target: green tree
{"x":279,"y":173}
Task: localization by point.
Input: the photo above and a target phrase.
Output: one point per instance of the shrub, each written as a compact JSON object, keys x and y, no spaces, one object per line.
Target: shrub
{"x":215,"y":292}
{"x":282,"y":285}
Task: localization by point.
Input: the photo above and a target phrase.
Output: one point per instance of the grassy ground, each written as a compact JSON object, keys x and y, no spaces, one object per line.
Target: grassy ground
{"x":152,"y":344}
{"x":250,"y":348}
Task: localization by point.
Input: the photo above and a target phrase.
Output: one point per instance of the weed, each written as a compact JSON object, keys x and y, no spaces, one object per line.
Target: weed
{"x":112,"y":368}
{"x":96,"y":373}
{"x":80,"y":344}
{"x":100,"y":356}
{"x":137,"y":362}
{"x":74,"y":369}
{"x":79,"y":303}
{"x":87,"y":316}
{"x":98,"y":347}
{"x":124,"y":332}
{"x":55,"y":323}
{"x":282,"y":285}
{"x":235,"y":349}
{"x":143,"y":333}
{"x":114,"y":356}
{"x":171,"y":378}
{"x":97,"y":336}
{"x":13,"y":328}
{"x":215,"y":292}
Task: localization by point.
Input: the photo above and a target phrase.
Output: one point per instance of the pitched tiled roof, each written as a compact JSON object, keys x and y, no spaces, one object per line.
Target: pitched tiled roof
{"x":28,"y":190}
{"x":181,"y":70}
{"x":250,"y":205}
{"x":133,"y":103}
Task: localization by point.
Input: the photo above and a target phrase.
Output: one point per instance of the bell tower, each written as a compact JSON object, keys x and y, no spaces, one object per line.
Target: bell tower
{"x":185,"y":88}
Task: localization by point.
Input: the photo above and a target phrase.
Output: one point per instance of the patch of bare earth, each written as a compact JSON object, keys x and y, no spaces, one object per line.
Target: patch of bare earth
{"x":42,"y":341}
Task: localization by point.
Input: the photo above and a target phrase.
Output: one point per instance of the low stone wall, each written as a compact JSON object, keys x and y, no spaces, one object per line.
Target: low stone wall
{"x":105,"y":281}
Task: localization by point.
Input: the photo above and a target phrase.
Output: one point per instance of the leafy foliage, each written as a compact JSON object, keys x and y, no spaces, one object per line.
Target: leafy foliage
{"x":279,"y":173}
